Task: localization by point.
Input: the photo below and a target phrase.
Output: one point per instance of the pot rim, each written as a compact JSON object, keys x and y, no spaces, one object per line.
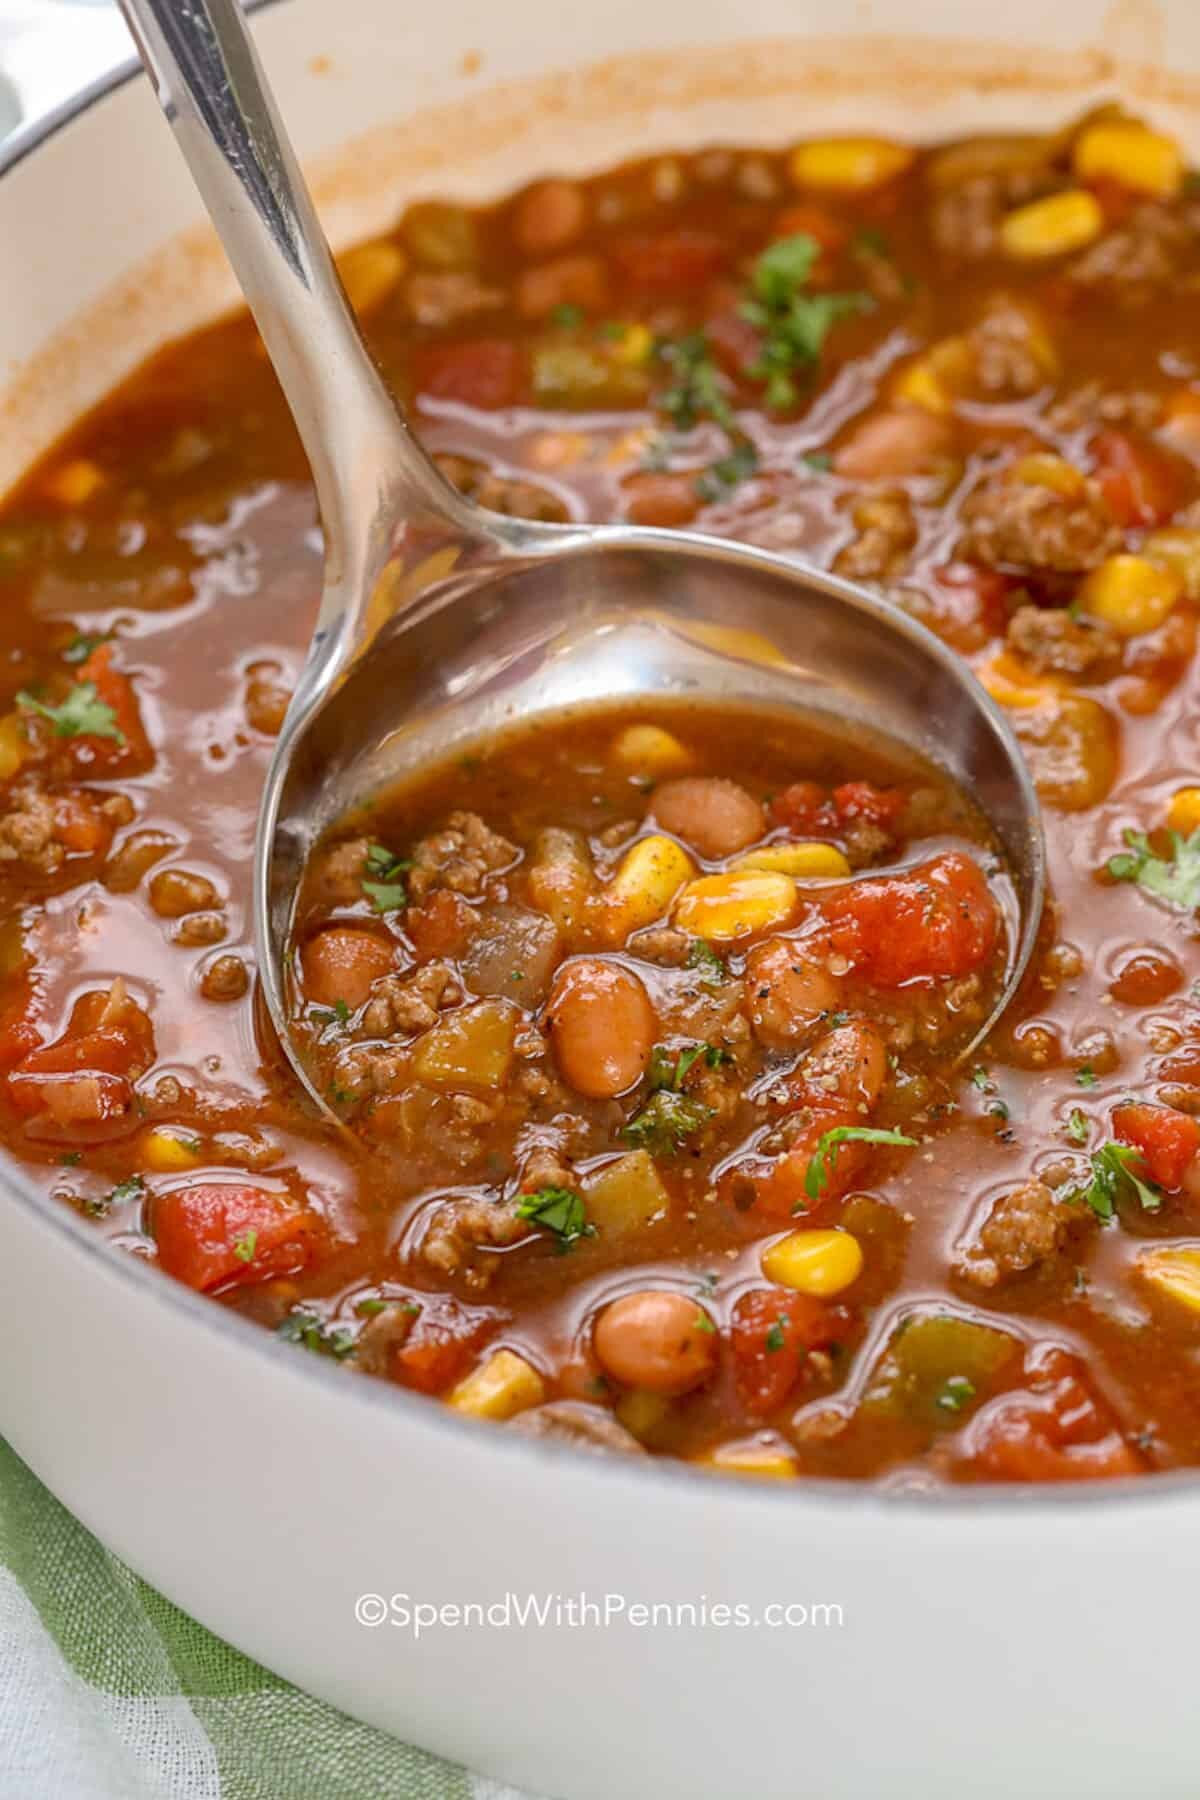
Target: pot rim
{"x":396,"y":1404}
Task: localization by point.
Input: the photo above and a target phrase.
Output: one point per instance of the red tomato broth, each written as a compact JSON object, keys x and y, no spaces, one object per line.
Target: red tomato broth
{"x":177,"y":522}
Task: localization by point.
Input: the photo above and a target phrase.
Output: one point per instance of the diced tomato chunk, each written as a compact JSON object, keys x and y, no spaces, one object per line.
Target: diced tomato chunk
{"x":441,"y":926}
{"x":442,"y":1345}
{"x":779,"y":1189}
{"x":213,"y":1235}
{"x":875,"y":805}
{"x":80,"y":826}
{"x":107,"y":1049}
{"x":1053,"y":1428}
{"x":1167,"y":1140}
{"x":807,"y":810}
{"x":341,"y":962}
{"x":107,"y":755}
{"x":19,"y":1033}
{"x":935,"y":921}
{"x":771,"y":1333}
{"x":807,"y":219}
{"x":1141,"y":483}
{"x":73,"y":1100}
{"x":668,"y":261}
{"x":484,"y":372}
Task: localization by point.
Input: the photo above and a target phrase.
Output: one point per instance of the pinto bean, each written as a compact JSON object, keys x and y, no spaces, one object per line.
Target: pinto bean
{"x":666,"y":498}
{"x":656,"y":1340}
{"x":225,"y":978}
{"x":892,"y":444}
{"x":787,"y":990}
{"x":341,"y":962}
{"x":602,"y":1026}
{"x":549,"y":216}
{"x":567,"y":281}
{"x":174,"y":892}
{"x":715,"y":817}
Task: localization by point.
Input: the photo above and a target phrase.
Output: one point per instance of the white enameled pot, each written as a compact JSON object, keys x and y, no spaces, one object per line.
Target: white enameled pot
{"x":997,"y":1643}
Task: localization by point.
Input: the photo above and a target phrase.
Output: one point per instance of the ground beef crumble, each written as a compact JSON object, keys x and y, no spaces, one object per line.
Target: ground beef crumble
{"x":460,"y":857}
{"x":1023,"y":525}
{"x":1025,"y":1228}
{"x":1052,"y":641}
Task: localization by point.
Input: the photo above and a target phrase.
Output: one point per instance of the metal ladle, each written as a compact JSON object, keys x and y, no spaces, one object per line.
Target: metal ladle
{"x":440,"y":622}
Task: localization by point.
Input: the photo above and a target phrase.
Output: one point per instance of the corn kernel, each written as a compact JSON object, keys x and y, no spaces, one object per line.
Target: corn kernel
{"x":73,"y":483}
{"x":850,"y":164}
{"x":1130,"y":594}
{"x":1183,"y":814}
{"x":797,"y":860}
{"x":763,"y":1462}
{"x":14,"y":745}
{"x":1012,"y":683}
{"x":165,"y":1152}
{"x":1123,"y":151}
{"x":649,"y":750}
{"x":737,"y":904}
{"x":1052,"y":226}
{"x":648,"y":877}
{"x":814,"y":1262}
{"x":1179,"y":549}
{"x":1175,"y":1271}
{"x":634,"y":346}
{"x":1041,"y":469}
{"x":936,"y":379}
{"x":499,"y":1389}
{"x":369,"y":272}
{"x":641,"y":1412}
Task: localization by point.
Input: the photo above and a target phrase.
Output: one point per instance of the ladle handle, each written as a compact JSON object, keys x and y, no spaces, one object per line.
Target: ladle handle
{"x":365,"y":462}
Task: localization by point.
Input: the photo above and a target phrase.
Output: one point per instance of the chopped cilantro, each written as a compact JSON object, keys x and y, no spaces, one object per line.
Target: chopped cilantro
{"x":566,"y":316}
{"x":956,"y":1393}
{"x":668,"y":1069}
{"x":342,"y":1096}
{"x":1175,"y":879}
{"x":703,"y":958}
{"x":705,"y":1324}
{"x":1114,"y":1177}
{"x":706,"y":1287}
{"x":870,"y":241}
{"x":386,"y":891}
{"x":794,"y":324}
{"x":1086,"y":1077}
{"x":70,"y":1158}
{"x":999,"y":1109}
{"x":560,"y":1211}
{"x":81,"y":714}
{"x":338,"y":1014}
{"x":824,"y":1157}
{"x":665,"y":1121}
{"x":728,"y":471}
{"x":129,"y":1189}
{"x":1077,"y":1126}
{"x":245,"y":1246}
{"x":775,"y":1339}
{"x":696,"y":391}
{"x":981,"y":1079}
{"x":819,"y":461}
{"x":369,"y":1308}
{"x":82,"y":645}
{"x":311,"y":1333}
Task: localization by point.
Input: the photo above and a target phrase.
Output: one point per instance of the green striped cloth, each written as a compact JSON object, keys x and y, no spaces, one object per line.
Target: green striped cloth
{"x":108,"y":1692}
